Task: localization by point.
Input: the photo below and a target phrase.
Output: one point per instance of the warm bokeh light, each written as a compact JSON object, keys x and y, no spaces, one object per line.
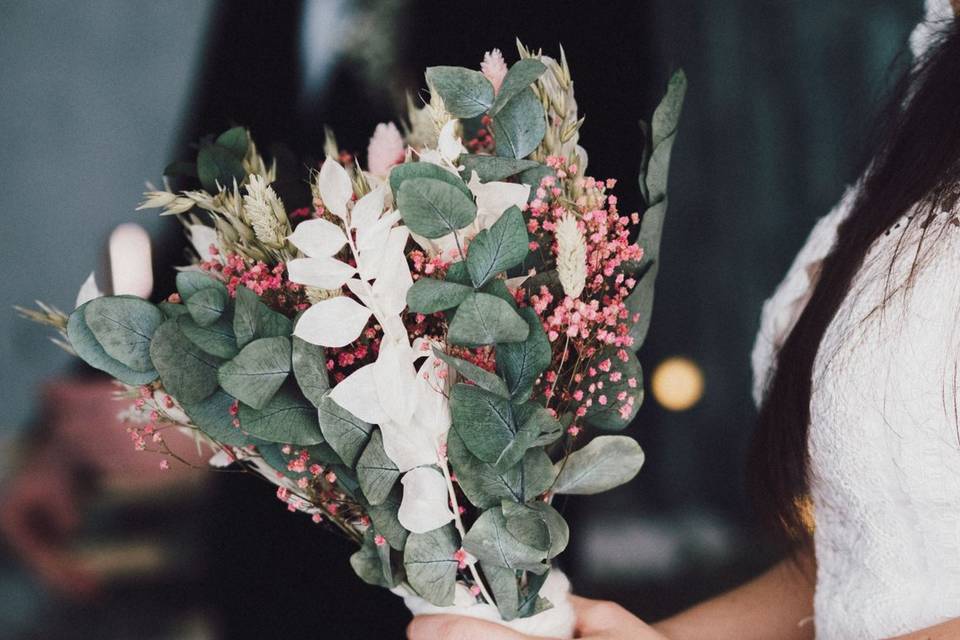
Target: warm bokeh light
{"x":677,"y":383}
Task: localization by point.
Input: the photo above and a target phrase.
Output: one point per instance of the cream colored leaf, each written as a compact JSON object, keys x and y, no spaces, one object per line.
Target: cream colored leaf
{"x":424,"y":506}
{"x":368,"y":209}
{"x":335,"y":187}
{"x":357,"y":393}
{"x":335,"y":322}
{"x":323,"y":273}
{"x":89,"y":290}
{"x":318,"y":238}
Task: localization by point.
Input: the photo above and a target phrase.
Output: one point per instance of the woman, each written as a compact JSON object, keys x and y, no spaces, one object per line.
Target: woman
{"x":858,"y":378}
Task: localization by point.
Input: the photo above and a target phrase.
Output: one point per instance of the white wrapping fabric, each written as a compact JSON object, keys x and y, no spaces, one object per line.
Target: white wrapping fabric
{"x":556,"y":622}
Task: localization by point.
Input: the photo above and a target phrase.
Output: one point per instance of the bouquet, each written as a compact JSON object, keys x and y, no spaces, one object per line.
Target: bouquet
{"x":415,"y":357}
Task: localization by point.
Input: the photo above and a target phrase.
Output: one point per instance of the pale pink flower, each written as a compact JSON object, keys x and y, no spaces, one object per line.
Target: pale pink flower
{"x":494,"y":68}
{"x":386,"y":149}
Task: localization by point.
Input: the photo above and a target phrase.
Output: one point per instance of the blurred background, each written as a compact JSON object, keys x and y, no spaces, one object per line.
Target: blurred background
{"x":96,"y":98}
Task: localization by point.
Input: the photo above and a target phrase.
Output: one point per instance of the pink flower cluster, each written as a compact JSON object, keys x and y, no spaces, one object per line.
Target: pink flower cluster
{"x":270,"y":283}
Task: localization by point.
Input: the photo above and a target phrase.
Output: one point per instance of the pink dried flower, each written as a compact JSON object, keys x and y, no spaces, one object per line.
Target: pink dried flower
{"x":494,"y":68}
{"x":385,"y":150}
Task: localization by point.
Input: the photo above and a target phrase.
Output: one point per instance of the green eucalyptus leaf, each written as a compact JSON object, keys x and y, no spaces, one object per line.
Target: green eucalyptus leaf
{"x":430,"y":565}
{"x":492,"y":544}
{"x":190,"y":282}
{"x":483,"y":420}
{"x":216,"y":339}
{"x":484,"y":319}
{"x":384,"y":519}
{"x":257,"y":372}
{"x":477,"y":375}
{"x":653,"y":183}
{"x":124,"y":326}
{"x":537,"y":524}
{"x":217,"y":165}
{"x":86,"y":345}
{"x":310,"y":369}
{"x":466,"y":93}
{"x":171,"y":310}
{"x":188,"y":373}
{"x":346,"y":433}
{"x":288,"y":417}
{"x":253,"y":319}
{"x":620,"y":378}
{"x":533,"y":417}
{"x":433,"y":208}
{"x":504,"y":245}
{"x":606,"y":462}
{"x":521,"y":363}
{"x":376,"y":472}
{"x":494,"y":168}
{"x":530,"y":602}
{"x":429,"y":295}
{"x":520,"y":76}
{"x":372,"y":563}
{"x":207,"y":305}
{"x":408,"y":170}
{"x":485,"y":487}
{"x":235,"y":140}
{"x":505,"y":589}
{"x":519,"y":126}
{"x":212,"y":416}
{"x":179,"y":168}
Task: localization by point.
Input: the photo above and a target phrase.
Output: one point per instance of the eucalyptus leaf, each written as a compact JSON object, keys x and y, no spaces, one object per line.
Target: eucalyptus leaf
{"x":604,"y":463}
{"x":190,"y":282}
{"x":519,"y":126}
{"x":372,"y":563}
{"x":537,"y":524}
{"x":483,"y":420}
{"x":124,"y":326}
{"x":466,"y":93}
{"x":86,"y":345}
{"x":217,"y":339}
{"x":188,"y":373}
{"x":494,"y":168}
{"x":288,"y":417}
{"x":257,"y":372}
{"x":477,"y":375}
{"x":235,"y":140}
{"x":207,"y":305}
{"x":384,"y":519}
{"x":520,"y":76}
{"x":491,"y":543}
{"x":253,"y":319}
{"x":171,"y":310}
{"x":217,"y":165}
{"x":504,"y":245}
{"x":310,"y":369}
{"x":504,"y":588}
{"x":521,"y":363}
{"x":408,"y":170}
{"x":212,"y":416}
{"x":429,"y":295}
{"x":433,"y":208}
{"x":485,"y":487}
{"x":376,"y":472}
{"x":430,"y":565}
{"x":345,"y":432}
{"x":484,"y":319}
{"x":533,"y":417}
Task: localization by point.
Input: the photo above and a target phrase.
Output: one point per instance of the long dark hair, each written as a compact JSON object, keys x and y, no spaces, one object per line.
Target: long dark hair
{"x":915,"y":161}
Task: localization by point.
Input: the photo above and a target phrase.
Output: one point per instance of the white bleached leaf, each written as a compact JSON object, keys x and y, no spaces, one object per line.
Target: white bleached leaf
{"x":323,"y":273}
{"x":368,"y":209}
{"x":335,"y":322}
{"x":393,"y":274}
{"x":432,"y":413}
{"x":221,"y":459}
{"x":493,"y":198}
{"x":357,"y":393}
{"x":396,"y":380}
{"x":424,"y":506}
{"x":318,"y":238}
{"x":371,"y":242}
{"x":335,"y":187}
{"x":202,"y":238}
{"x":407,"y":446}
{"x":448,"y":144}
{"x":514,"y":283}
{"x":89,"y":290}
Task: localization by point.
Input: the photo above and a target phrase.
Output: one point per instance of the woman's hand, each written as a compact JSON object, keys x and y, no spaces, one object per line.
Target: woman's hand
{"x":596,"y":620}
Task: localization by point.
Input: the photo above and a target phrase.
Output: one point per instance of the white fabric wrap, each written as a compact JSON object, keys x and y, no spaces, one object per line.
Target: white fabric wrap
{"x":556,"y":622}
{"x":938,"y":15}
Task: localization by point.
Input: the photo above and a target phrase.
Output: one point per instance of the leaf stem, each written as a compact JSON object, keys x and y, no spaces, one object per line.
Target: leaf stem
{"x":458,"y":523}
